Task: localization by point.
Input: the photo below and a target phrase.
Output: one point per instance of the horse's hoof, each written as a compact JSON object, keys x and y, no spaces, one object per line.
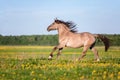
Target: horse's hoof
{"x":98,"y":60}
{"x":49,"y":58}
{"x":77,"y":60}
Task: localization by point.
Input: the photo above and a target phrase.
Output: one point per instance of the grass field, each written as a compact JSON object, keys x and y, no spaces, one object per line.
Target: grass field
{"x":31,"y":63}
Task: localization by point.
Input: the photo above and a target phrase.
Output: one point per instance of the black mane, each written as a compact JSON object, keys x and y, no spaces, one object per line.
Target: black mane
{"x":69,"y":24}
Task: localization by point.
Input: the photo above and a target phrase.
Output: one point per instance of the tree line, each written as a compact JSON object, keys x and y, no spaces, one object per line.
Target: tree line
{"x":46,"y":40}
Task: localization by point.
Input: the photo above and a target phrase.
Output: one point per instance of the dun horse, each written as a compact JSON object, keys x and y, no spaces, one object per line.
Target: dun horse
{"x":68,"y":37}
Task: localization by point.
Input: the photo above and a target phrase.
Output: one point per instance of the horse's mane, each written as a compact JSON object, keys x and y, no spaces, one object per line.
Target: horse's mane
{"x":69,"y":24}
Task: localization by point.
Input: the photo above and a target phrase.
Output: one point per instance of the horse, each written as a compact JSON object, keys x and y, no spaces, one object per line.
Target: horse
{"x":69,"y":37}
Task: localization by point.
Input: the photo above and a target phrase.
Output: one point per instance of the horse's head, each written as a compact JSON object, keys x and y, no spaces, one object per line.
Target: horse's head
{"x":54,"y":25}
{"x":57,"y":24}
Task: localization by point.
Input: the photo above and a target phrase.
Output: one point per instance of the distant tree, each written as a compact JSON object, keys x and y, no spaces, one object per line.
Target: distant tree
{"x":48,"y":40}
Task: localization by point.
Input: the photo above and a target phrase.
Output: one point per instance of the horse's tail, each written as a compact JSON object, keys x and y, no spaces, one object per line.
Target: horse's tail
{"x":104,"y":39}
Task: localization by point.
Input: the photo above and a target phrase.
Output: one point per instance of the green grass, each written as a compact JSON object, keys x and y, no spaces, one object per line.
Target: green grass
{"x":31,"y":63}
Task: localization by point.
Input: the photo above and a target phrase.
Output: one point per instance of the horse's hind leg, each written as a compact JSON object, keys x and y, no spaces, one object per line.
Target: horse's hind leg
{"x":96,"y":54}
{"x":51,"y":54}
{"x":84,"y":52}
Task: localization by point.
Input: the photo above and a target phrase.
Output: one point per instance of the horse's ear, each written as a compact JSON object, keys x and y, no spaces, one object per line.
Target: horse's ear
{"x":56,"y":20}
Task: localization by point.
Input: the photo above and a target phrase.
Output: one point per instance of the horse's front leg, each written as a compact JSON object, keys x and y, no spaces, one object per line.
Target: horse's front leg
{"x":51,"y":54}
{"x":59,"y":52}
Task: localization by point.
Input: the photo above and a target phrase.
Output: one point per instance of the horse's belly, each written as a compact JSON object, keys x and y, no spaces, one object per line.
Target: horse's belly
{"x":74,"y":45}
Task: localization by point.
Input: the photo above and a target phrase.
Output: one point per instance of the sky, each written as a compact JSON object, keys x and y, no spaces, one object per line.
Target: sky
{"x":32,"y":17}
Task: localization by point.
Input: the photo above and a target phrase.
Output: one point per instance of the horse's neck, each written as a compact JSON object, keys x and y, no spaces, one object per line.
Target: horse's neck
{"x":62,"y":32}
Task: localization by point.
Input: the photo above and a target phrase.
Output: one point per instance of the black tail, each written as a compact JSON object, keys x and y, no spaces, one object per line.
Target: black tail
{"x":105,"y":40}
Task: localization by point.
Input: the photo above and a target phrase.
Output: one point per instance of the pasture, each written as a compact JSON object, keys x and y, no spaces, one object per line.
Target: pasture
{"x":31,"y":63}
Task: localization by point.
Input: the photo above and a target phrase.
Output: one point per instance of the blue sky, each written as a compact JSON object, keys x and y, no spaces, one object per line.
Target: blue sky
{"x":32,"y":17}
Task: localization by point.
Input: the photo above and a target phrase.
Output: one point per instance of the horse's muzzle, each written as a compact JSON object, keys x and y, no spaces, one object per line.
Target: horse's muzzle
{"x":48,"y":29}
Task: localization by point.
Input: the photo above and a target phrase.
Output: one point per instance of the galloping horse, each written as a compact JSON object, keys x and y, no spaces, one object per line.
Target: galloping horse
{"x":68,"y":37}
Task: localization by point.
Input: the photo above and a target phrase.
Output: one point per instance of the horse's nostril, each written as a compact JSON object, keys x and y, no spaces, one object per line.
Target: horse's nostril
{"x":48,"y":29}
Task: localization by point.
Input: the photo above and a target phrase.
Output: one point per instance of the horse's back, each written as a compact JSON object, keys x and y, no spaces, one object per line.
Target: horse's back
{"x":87,"y":37}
